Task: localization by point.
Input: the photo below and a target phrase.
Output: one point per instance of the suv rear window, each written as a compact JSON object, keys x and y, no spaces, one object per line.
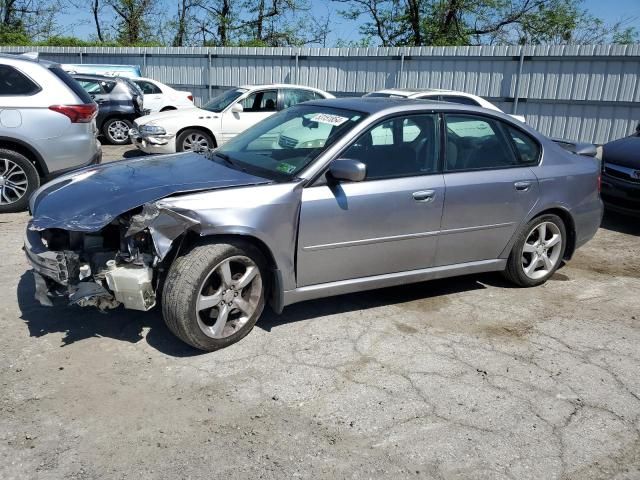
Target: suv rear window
{"x":12,"y":82}
{"x":71,"y":83}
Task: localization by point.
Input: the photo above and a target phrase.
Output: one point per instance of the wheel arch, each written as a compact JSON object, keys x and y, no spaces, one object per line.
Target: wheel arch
{"x":275,"y":289}
{"x":200,"y":128}
{"x":569,"y":223}
{"x":28,"y":151}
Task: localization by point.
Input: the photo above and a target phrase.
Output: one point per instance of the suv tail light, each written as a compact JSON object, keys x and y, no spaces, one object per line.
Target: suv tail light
{"x":77,"y":113}
{"x":190,"y":97}
{"x":599,"y":182}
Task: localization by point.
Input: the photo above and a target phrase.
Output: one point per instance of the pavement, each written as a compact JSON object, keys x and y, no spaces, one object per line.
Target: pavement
{"x":464,"y":378}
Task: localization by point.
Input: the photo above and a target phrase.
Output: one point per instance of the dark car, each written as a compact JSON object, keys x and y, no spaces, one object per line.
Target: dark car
{"x":120,"y":102}
{"x":621,"y":174}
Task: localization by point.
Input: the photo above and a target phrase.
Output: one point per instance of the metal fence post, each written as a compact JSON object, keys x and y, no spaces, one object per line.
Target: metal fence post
{"x":401,"y":72}
{"x":297,"y":59}
{"x":209,"y":72}
{"x":81,"y":62}
{"x":517,"y":87}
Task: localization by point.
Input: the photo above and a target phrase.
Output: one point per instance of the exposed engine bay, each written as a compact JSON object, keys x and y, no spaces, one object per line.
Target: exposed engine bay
{"x":116,"y":265}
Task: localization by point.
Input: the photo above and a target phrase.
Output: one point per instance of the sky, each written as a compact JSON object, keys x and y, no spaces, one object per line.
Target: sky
{"x":611,"y":11}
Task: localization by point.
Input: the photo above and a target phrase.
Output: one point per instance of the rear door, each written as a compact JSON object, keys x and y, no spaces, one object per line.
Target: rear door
{"x":385,"y":224}
{"x":490,"y":187}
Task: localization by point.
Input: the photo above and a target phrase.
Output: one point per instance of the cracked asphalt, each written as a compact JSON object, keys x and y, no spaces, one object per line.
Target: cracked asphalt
{"x":463,"y":378}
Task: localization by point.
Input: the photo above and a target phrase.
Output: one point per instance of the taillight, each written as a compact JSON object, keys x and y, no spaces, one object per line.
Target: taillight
{"x":599,"y":182}
{"x":190,"y":97}
{"x":77,"y":113}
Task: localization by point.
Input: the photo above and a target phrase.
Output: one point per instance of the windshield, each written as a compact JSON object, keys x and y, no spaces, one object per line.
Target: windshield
{"x":221,"y":102}
{"x":285,"y":143}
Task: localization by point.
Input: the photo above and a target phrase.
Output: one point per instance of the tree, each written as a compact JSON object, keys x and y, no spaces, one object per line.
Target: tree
{"x":468,"y":22}
{"x":133,"y":20}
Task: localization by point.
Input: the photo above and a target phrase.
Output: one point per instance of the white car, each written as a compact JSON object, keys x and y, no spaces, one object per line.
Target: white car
{"x":219,"y":120}
{"x":159,"y":97}
{"x":442,"y":95}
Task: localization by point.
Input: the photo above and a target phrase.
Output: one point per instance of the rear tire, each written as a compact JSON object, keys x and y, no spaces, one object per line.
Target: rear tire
{"x":18,"y":180}
{"x":194,"y":140}
{"x":538,"y":251}
{"x":116,"y":131}
{"x":214,"y":294}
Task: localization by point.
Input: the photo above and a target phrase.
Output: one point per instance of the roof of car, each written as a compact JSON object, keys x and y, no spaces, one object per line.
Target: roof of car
{"x":418,"y":91}
{"x":378,"y":104}
{"x":92,"y":76}
{"x":24,"y":58}
{"x":280,"y":85}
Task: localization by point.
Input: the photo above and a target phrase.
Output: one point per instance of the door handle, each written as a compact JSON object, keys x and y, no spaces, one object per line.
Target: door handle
{"x":424,"y":196}
{"x":522,"y":186}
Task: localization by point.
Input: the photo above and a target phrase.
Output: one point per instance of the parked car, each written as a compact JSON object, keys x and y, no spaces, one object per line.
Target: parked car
{"x":220,"y":234}
{"x":219,"y":120}
{"x":120,"y":102}
{"x":159,"y":97}
{"x":129,"y":71}
{"x":47,"y":127}
{"x":440,"y":95}
{"x":621,"y":174}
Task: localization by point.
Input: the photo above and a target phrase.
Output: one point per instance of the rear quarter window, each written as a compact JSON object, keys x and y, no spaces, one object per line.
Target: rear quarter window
{"x":70,"y":82}
{"x":15,"y":83}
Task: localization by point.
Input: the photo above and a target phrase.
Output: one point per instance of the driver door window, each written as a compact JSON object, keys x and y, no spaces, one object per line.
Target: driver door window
{"x":399,"y":147}
{"x":264,"y":101}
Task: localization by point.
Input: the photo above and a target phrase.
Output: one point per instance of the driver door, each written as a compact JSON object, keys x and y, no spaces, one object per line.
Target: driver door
{"x":388,"y":222}
{"x":256,"y":106}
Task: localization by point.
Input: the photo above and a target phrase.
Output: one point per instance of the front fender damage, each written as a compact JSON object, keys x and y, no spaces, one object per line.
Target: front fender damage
{"x":95,"y":274}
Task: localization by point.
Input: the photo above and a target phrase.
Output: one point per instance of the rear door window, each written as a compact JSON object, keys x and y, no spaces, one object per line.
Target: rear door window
{"x":293,"y":96}
{"x":148,"y":88}
{"x":15,"y":83}
{"x":477,"y":143}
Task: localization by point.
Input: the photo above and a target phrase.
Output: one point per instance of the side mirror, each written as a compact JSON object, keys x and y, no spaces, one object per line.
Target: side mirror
{"x":348,"y":169}
{"x":237,"y":108}
{"x":586,"y":149}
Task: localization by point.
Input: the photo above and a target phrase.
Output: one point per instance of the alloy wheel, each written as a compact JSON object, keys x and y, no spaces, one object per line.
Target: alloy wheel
{"x":118,"y":131}
{"x":13,"y":182}
{"x":195,"y":142}
{"x":228,"y":297}
{"x":541,"y":250}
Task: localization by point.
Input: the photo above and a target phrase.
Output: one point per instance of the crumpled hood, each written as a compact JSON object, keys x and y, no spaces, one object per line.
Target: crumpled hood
{"x":624,"y":152}
{"x":91,"y":198}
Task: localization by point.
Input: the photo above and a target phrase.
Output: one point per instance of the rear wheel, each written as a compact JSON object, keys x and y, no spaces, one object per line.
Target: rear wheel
{"x":116,"y":130}
{"x":214,"y":294}
{"x":538,"y":251}
{"x":194,"y":140}
{"x":18,"y":180}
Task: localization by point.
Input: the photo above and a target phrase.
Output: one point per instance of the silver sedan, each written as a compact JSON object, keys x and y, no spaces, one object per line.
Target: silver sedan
{"x":325,"y":198}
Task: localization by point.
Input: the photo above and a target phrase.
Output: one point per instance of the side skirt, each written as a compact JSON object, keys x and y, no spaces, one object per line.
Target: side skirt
{"x":390,"y":280}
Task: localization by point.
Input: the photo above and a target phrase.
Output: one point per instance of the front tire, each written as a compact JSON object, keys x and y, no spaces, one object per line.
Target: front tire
{"x":538,"y":251}
{"x":18,"y":180}
{"x":194,"y":140}
{"x":116,"y":131}
{"x":214,"y":294}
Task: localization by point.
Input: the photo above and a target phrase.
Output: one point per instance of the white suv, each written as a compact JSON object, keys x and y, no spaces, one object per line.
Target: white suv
{"x":219,"y":120}
{"x":47,"y":127}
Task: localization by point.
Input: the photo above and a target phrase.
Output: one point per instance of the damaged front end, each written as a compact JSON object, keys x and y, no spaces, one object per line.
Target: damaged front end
{"x":120,"y":264}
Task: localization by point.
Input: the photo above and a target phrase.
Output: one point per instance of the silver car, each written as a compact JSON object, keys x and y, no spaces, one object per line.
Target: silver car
{"x":47,"y":127}
{"x":365,"y":193}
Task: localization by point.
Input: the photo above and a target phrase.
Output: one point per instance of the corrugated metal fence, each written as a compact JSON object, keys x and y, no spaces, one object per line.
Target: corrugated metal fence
{"x":589,"y":93}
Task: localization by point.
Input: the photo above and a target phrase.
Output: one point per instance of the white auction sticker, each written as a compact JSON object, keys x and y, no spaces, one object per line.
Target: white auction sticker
{"x":334,"y":120}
